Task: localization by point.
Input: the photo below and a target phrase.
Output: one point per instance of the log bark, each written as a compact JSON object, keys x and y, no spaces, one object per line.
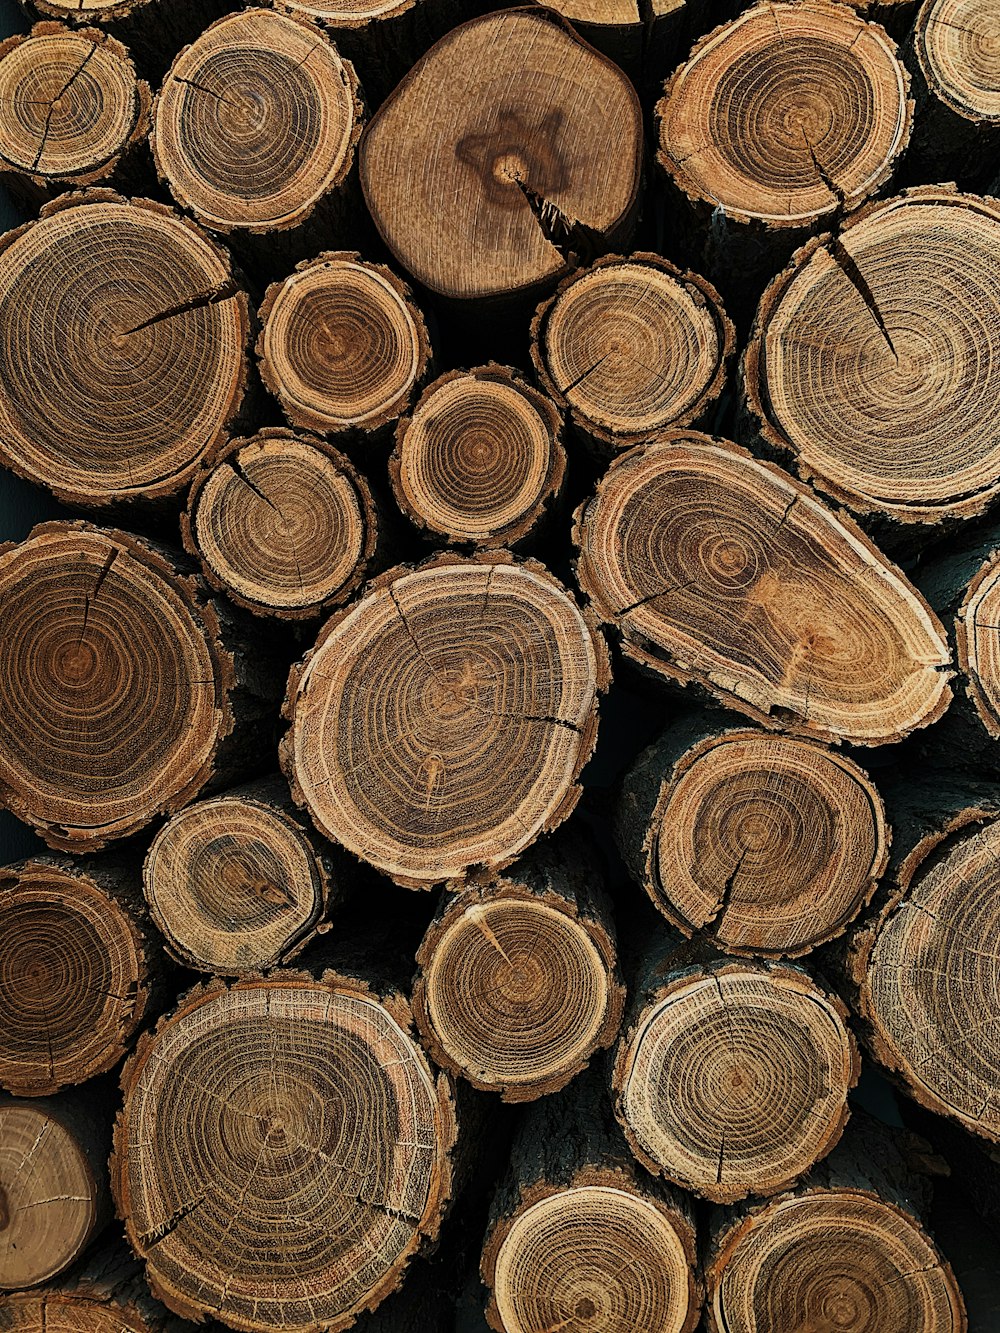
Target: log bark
{"x":480,"y":462}
{"x":282,"y":523}
{"x":107,"y":637}
{"x":776,"y":124}
{"x":717,"y":569}
{"x":763,"y":844}
{"x":343,"y":347}
{"x":472,"y":170}
{"x":237,"y":884}
{"x":845,"y":1251}
{"x":578,"y":1236}
{"x":896,"y":16}
{"x":731,"y":1078}
{"x":79,"y":968}
{"x":75,"y":114}
{"x":632,"y":347}
{"x":287,"y":1107}
{"x":111,"y":391}
{"x":53,"y":1186}
{"x":254,"y":133}
{"x":518,"y":981}
{"x":442,"y":721}
{"x":866,"y":373}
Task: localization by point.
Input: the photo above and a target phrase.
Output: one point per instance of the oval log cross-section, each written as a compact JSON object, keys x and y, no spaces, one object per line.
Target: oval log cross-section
{"x":443,"y":720}
{"x":957,"y":43}
{"x":717,"y":568}
{"x":978,"y":643}
{"x":69,"y":1312}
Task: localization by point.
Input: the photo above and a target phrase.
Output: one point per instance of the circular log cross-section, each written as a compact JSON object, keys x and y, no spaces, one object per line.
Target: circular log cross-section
{"x":632,"y":346}
{"x":69,"y":1312}
{"x":478,"y":192}
{"x":101,"y":637}
{"x":957,"y":47}
{"x":866,"y":369}
{"x":111,"y":390}
{"x":443,"y":720}
{"x":787,"y":115}
{"x":734,"y":1079}
{"x":978,"y":643}
{"x":720,"y":569}
{"x":234,"y":884}
{"x":72,"y":978}
{"x":766,"y":844}
{"x":830,"y":1259}
{"x":480,"y":459}
{"x":342,"y":347}
{"x":48,"y":1196}
{"x":293,"y":1108}
{"x":282,"y":523}
{"x":72,"y":106}
{"x":256,"y":122}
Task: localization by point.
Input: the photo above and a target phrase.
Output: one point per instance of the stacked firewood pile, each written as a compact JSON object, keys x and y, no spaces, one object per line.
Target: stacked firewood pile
{"x":509,"y":696}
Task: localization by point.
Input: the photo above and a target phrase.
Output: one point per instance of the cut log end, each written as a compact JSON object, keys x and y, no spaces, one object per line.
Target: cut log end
{"x":788,"y":114}
{"x":442,"y":721}
{"x":282,"y":523}
{"x":633,"y":346}
{"x":48,"y":1197}
{"x":977,"y":641}
{"x":837,"y":1259}
{"x":284,"y":1107}
{"x":734,"y":1080}
{"x":144,"y":375}
{"x":343,"y":347}
{"x":957,"y":43}
{"x":480,"y":458}
{"x":69,"y":1312}
{"x":688,"y":535}
{"x":256,"y":122}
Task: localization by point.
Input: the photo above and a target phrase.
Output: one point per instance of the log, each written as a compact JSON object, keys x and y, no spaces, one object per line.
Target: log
{"x":111,"y":390}
{"x":846,"y":1251}
{"x":717,"y":569}
{"x":518,"y":982}
{"x":442,"y":721}
{"x":776,"y":124}
{"x":78,"y":971}
{"x":75,"y":114}
{"x":480,"y":461}
{"x":764,"y":844}
{"x":53,"y":1186}
{"x":282,"y":523}
{"x":343,"y":347}
{"x":579,"y":1237}
{"x":288,"y":1107}
{"x":865,"y":371}
{"x":896,"y":16}
{"x":237,"y":884}
{"x":632,"y":347}
{"x":109,"y":641}
{"x":731,"y":1078}
{"x":254,"y":132}
{"x":472,"y":171}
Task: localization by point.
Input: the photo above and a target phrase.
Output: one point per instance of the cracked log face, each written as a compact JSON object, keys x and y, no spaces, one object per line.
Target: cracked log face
{"x":719,"y":569}
{"x":480,"y":189}
{"x":68,"y":1312}
{"x":764,"y":843}
{"x":72,"y":978}
{"x":288,"y":1107}
{"x":101,"y":633}
{"x":786,"y":115}
{"x":631,"y":347}
{"x":977,"y":642}
{"x":223,"y":122}
{"x":443,"y":720}
{"x":72,"y":104}
{"x":481,"y":458}
{"x":343,"y":347}
{"x":830,"y":1259}
{"x":734,"y":1079}
{"x":873,"y":374}
{"x":957,"y":44}
{"x":48,"y":1197}
{"x":112,"y":390}
{"x":927,"y":975}
{"x":282,"y":523}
